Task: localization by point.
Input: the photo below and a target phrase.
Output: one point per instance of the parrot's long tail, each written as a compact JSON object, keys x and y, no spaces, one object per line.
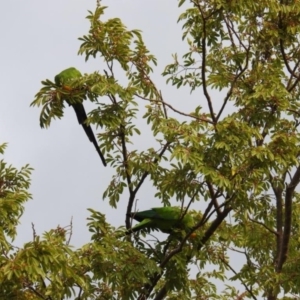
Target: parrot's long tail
{"x":82,"y":117}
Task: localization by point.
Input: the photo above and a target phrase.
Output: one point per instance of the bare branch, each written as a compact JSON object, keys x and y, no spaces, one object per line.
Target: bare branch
{"x":213,"y":197}
{"x":288,"y":218}
{"x":279,"y":217}
{"x":71,"y":231}
{"x":33,"y":231}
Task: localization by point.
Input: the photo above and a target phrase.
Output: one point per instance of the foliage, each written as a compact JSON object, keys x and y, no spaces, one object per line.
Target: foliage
{"x":236,"y":152}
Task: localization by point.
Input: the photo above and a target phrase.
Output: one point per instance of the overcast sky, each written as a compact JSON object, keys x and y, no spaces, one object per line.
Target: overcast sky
{"x":40,"y":39}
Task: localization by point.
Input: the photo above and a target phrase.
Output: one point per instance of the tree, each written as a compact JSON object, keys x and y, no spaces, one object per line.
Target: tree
{"x":243,"y":165}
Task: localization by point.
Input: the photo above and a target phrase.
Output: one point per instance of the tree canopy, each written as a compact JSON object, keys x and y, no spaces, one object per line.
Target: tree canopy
{"x":236,"y":152}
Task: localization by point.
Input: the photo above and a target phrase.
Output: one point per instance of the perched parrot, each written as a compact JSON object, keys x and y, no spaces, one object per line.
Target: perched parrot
{"x":61,"y":80}
{"x":166,"y":219}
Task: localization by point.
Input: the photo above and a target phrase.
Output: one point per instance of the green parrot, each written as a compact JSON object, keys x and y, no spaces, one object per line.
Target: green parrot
{"x":61,"y":80}
{"x":166,"y":219}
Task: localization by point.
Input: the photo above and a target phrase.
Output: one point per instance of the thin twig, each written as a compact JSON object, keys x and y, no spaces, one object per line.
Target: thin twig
{"x":163,"y":104}
{"x":203,"y":67}
{"x":71,"y":231}
{"x":33,"y":231}
{"x":36,"y":292}
{"x":265,"y":226}
{"x":204,"y":119}
{"x":241,"y":280}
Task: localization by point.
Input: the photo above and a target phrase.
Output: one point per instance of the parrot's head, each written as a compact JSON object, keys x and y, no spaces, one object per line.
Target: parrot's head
{"x":66,"y":76}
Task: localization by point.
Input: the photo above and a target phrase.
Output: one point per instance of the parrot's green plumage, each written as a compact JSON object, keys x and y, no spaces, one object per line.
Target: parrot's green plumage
{"x":166,"y":219}
{"x":66,"y":76}
{"x":63,"y":79}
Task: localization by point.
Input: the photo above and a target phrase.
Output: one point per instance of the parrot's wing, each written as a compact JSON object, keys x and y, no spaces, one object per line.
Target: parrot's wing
{"x":166,"y":219}
{"x":142,"y":215}
{"x":168,"y":212}
{"x":146,"y":223}
{"x":161,"y":218}
{"x":158,"y":213}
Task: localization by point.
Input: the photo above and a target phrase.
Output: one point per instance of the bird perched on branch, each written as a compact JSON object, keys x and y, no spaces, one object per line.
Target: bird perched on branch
{"x":170,"y":219}
{"x":72,"y":97}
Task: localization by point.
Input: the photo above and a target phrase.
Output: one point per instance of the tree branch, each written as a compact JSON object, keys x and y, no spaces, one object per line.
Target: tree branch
{"x":279,"y":217}
{"x":213,"y":197}
{"x":243,"y":283}
{"x":264,"y":225}
{"x":143,"y":177}
{"x":203,"y":66}
{"x":213,"y":227}
{"x":288,"y":218}
{"x":204,"y":119}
